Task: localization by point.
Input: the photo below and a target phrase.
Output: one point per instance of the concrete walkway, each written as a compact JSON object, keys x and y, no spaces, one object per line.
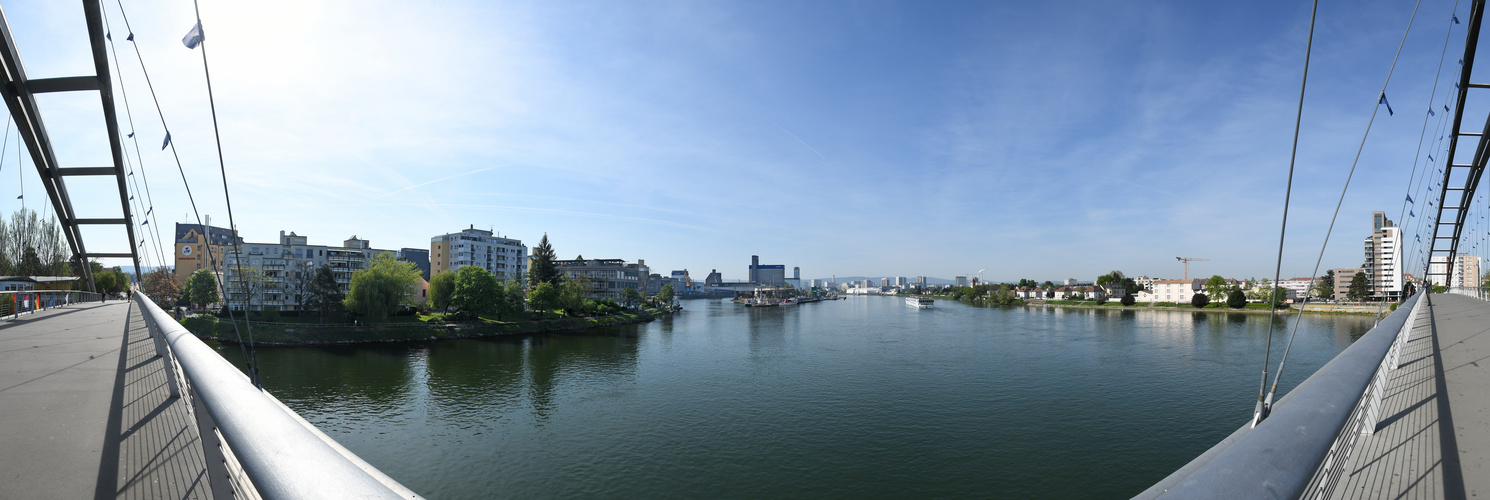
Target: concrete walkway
{"x":86,"y":410}
{"x":1433,"y":439}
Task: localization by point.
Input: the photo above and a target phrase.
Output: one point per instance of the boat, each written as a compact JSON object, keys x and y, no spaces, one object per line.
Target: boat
{"x":919,"y":302}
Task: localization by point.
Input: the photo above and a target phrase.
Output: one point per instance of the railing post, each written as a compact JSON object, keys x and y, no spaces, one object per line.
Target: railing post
{"x":217,"y":464}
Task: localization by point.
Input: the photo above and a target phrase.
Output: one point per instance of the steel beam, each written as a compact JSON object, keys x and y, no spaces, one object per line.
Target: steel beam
{"x":70,"y":171}
{"x":1481,"y":155}
{"x":64,"y":84}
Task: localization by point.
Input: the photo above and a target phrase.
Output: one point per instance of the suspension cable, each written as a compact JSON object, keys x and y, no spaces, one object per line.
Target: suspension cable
{"x":1267,"y":403}
{"x":207,"y":231}
{"x":134,"y":137}
{"x":221,"y":165}
{"x":1261,"y":411}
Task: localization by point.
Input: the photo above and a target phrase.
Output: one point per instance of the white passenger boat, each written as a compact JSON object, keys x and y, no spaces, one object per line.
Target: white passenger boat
{"x":919,"y":302}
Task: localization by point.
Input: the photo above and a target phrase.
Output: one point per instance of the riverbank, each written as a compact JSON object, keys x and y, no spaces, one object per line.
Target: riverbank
{"x":1320,"y":309}
{"x":281,"y":334}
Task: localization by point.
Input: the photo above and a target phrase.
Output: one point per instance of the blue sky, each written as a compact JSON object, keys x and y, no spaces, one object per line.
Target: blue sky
{"x":1032,"y":139}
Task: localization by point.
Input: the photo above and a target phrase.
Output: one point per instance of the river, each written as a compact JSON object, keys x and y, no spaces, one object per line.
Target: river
{"x":863,"y":398}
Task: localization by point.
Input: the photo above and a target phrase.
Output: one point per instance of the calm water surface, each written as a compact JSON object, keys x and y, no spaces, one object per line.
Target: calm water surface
{"x":862,"y":397}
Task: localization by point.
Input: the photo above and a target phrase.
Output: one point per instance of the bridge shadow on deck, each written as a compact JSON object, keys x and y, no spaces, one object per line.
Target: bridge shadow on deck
{"x":151,"y":446}
{"x":1414,"y":452}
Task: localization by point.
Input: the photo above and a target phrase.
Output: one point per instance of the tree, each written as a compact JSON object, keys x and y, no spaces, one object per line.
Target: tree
{"x":1236,"y":299}
{"x":201,"y":288}
{"x":542,"y":269}
{"x":1129,"y":299}
{"x":249,"y":281}
{"x":1216,"y":286}
{"x":1324,"y":288}
{"x":1359,"y":288}
{"x":161,"y":286}
{"x":441,"y":288}
{"x":378,"y":289}
{"x":631,"y":297}
{"x":513,"y":289}
{"x":325,"y":292}
{"x":476,"y":291}
{"x":573,"y":293}
{"x":544,"y":296}
{"x":666,"y":295}
{"x":103,"y":280}
{"x":297,"y":285}
{"x":1200,"y":300}
{"x":1047,"y":285}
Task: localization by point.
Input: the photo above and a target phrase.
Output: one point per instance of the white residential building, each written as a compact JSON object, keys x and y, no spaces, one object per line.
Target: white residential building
{"x":286,"y":261}
{"x":1384,"y":258}
{"x":1177,"y":291}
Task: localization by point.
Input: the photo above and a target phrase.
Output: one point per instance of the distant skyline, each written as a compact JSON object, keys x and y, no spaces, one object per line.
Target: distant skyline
{"x":1042,"y":141}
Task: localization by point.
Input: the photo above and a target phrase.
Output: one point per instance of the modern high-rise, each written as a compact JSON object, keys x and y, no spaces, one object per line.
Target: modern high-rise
{"x":505,"y":258}
{"x":1384,"y":258}
{"x":1466,"y":272}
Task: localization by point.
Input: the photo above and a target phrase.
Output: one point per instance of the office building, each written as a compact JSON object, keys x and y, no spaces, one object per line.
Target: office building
{"x":1342,"y":281}
{"x":419,"y":256}
{"x":608,"y":277}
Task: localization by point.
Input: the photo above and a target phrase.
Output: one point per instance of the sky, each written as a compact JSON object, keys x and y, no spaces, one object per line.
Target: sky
{"x":1028,"y":139}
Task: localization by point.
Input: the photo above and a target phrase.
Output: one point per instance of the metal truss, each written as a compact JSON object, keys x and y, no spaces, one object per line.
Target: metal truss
{"x":19,"y":93}
{"x":1446,"y":234}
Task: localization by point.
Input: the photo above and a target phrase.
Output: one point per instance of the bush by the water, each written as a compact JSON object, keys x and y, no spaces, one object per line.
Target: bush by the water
{"x":1200,"y":300}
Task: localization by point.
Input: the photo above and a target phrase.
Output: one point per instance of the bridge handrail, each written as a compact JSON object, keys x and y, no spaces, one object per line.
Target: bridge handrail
{"x":280,"y":455}
{"x":15,"y":302}
{"x":1300,"y":448}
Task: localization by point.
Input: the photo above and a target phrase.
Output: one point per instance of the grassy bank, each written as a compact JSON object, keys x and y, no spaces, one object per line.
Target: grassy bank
{"x":211,"y":327}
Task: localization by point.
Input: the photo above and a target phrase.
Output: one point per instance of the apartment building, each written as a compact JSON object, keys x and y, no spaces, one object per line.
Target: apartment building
{"x":505,"y":258}
{"x":1466,"y":272}
{"x":195,"y":243}
{"x":1384,"y":258}
{"x":284,"y":265}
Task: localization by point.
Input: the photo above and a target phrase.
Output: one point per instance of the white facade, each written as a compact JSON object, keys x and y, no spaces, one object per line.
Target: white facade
{"x":1177,"y":291}
{"x":282,"y":263}
{"x":1384,"y":258}
{"x":1298,"y":286}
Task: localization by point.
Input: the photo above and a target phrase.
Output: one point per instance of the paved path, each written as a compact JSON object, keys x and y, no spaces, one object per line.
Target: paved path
{"x":86,"y":410}
{"x":1433,"y":439}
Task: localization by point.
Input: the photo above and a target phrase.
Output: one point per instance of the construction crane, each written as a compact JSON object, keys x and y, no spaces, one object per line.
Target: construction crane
{"x":1187,"y":260}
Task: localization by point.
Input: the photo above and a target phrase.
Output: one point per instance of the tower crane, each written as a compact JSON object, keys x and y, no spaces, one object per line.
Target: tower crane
{"x":1187,"y":260}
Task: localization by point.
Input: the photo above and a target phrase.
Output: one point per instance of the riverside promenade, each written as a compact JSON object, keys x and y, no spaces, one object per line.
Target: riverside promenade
{"x":1433,"y":436}
{"x":86,"y":409}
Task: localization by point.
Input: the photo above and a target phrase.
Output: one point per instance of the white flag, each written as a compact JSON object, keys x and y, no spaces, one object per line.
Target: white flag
{"x":193,"y":37}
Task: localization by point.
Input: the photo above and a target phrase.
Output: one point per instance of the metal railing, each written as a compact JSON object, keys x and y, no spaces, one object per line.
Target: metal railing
{"x":1477,"y":292}
{"x":255,"y":446}
{"x":14,"y":304}
{"x":1300,"y":450}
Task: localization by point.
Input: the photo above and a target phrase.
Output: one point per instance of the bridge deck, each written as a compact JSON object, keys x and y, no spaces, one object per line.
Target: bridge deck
{"x":1433,"y":437}
{"x":86,"y":410}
